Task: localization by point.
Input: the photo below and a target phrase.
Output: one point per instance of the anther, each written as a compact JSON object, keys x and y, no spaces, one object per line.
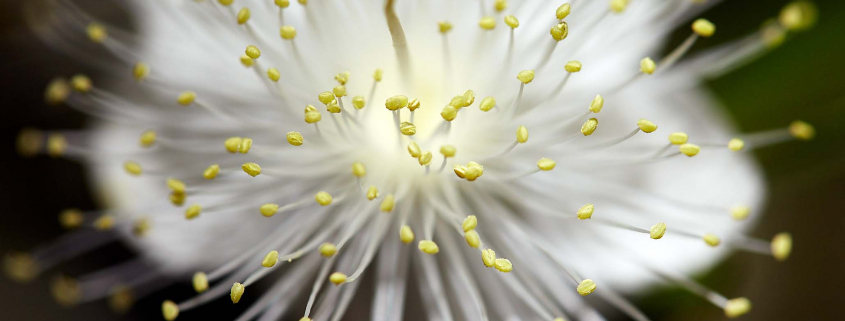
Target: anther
{"x":245,"y":145}
{"x":448,"y":151}
{"x":358,"y":169}
{"x":406,"y":235}
{"x":140,"y":71}
{"x":647,"y":66}
{"x":782,"y":246}
{"x":444,"y":26}
{"x":337,"y":278}
{"x":563,"y":11}
{"x":148,"y":138}
{"x":428,"y":247}
{"x":328,"y":249}
{"x":802,"y":130}
{"x":488,"y":257}
{"x":269,"y":209}
{"x":414,"y":149}
{"x":274,"y":74}
{"x":372,"y":193}
{"x":104,"y":223}
{"x":525,"y":76}
{"x":500,"y":5}
{"x":287,"y":32}
{"x":232,"y":144}
{"x":186,"y":98}
{"x":469,"y":224}
{"x":678,"y":138}
{"x":586,"y":287}
{"x":597,"y":104}
{"x":657,"y":231}
{"x":387,"y":204}
{"x":736,"y":144}
{"x":323,"y":198}
{"x":740,"y":213}
{"x":646,"y":125}
{"x":96,"y":32}
{"x":193,"y":211}
{"x":270,"y":259}
{"x":586,"y":211}
{"x":211,"y":172}
{"x":573,"y":66}
{"x":487,"y":23}
{"x":358,"y":102}
{"x":425,"y":158}
{"x":511,"y":21}
{"x":703,"y":27}
{"x":407,"y":128}
{"x":253,"y":52}
{"x":521,"y":134}
{"x":711,"y":239}
{"x":546,"y":164}
{"x":236,"y":292}
{"x":689,"y":149}
{"x":737,"y":307}
{"x":472,"y":238}
{"x":294,"y":138}
{"x":200,"y":282}
{"x":377,"y":75}
{"x":339,"y":91}
{"x":169,"y":310}
{"x":503,"y":265}
{"x":176,"y":185}
{"x":449,"y":113}
{"x":132,"y":168}
{"x":560,"y":31}
{"x":71,"y":219}
{"x":81,"y":83}
{"x":487,"y":104}
{"x":618,"y":6}
{"x":252,"y":169}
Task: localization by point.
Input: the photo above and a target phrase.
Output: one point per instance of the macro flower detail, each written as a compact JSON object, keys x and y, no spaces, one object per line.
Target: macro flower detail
{"x":298,"y":143}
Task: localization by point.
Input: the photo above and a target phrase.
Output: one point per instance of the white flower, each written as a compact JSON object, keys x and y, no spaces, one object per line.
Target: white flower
{"x":579,"y":192}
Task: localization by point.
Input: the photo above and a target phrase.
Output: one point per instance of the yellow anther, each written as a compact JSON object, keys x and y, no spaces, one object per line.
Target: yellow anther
{"x":287,"y":32}
{"x":487,"y":23}
{"x":226,"y":2}
{"x":525,"y":76}
{"x":711,"y":239}
{"x":81,"y":83}
{"x":737,"y":307}
{"x":387,"y":204}
{"x":269,"y":209}
{"x":414,"y":149}
{"x":104,"y":223}
{"x":736,"y":144}
{"x":121,"y":299}
{"x":448,"y":151}
{"x":252,"y":51}
{"x":407,"y":128}
{"x":586,"y":211}
{"x":500,"y":5}
{"x":646,"y":125}
{"x":302,"y":2}
{"x":245,"y":145}
{"x":396,"y":102}
{"x":487,"y":104}
{"x":782,"y":246}
{"x":428,"y":247}
{"x":358,"y":102}
{"x":573,"y":66}
{"x":30,"y":142}
{"x":802,"y":130}
{"x":96,"y":32}
{"x":560,"y":31}
{"x":282,"y":3}
{"x":270,"y":259}
{"x":211,"y":171}
{"x":647,"y":66}
{"x":177,"y":198}
{"x":772,"y":33}
{"x":141,"y":226}
{"x":339,"y":91}
{"x":546,"y":164}
{"x":511,"y":21}
{"x":312,"y":117}
{"x":132,"y":168}
{"x":521,"y":134}
{"x":243,"y":17}
{"x":559,"y":319}
{"x":57,"y":91}
{"x":358,"y":169}
{"x":740,"y":213}
{"x":252,"y":169}
{"x":586,"y":287}
{"x":193,"y":211}
{"x":333,"y":107}
{"x":798,"y":15}
{"x":449,"y":113}
{"x":274,"y":74}
{"x":294,"y":138}
{"x":372,"y":193}
{"x":56,"y":145}
{"x":169,"y":310}
{"x":140,"y":71}
{"x":488,"y":256}
{"x":473,"y":171}
{"x":305,"y":319}
{"x":618,"y":6}
{"x":71,"y":218}
{"x":328,"y":249}
{"x":563,"y":11}
{"x":460,"y":170}
{"x":176,"y":185}
{"x":337,"y":278}
{"x":342,"y":78}
{"x":657,"y":231}
{"x":20,"y":267}
{"x":326,"y":97}
{"x":414,"y":104}
{"x":236,"y":292}
{"x":703,"y":27}
{"x":425,"y":158}
{"x":597,"y":104}
{"x":472,"y":238}
{"x":469,"y":224}
{"x":468,"y":98}
{"x":406,"y":235}
{"x":503,"y":265}
{"x":689,"y":149}
{"x":148,"y":138}
{"x":589,"y":126}
{"x":247,"y":61}
{"x":444,"y":26}
{"x":186,"y":98}
{"x":323,"y":198}
{"x":232,"y":144}
{"x":678,"y":138}
{"x":457,"y":102}
{"x":200,"y":282}
{"x":377,"y":75}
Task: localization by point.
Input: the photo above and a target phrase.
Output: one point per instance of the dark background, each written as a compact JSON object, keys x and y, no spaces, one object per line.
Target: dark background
{"x":803,"y":79}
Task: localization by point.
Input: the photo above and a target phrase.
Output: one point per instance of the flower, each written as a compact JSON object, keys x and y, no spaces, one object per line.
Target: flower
{"x":588,"y":167}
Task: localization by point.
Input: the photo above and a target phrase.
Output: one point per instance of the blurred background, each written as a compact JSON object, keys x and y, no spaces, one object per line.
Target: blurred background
{"x":803,"y":79}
